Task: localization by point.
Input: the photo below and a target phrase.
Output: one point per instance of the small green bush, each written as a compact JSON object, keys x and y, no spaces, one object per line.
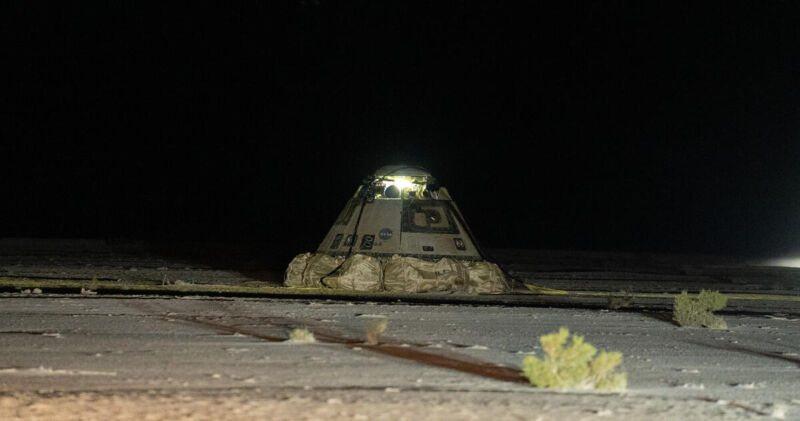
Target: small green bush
{"x":574,"y":366}
{"x":691,"y":311}
{"x":301,"y":336}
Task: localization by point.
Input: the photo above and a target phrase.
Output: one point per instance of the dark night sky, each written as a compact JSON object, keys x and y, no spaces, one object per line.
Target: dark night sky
{"x":602,"y":125}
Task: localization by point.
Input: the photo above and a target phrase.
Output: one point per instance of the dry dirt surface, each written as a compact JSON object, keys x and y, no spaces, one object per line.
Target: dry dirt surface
{"x":69,"y":357}
{"x":144,"y":357}
{"x":264,"y":264}
{"x":377,"y":405}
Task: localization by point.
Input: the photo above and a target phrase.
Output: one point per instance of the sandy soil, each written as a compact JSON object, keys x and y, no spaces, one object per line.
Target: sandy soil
{"x":264,"y":264}
{"x":87,"y":358}
{"x":382,"y":405}
{"x":95,"y":357}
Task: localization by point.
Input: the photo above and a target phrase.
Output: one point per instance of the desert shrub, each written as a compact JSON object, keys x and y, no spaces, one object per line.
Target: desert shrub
{"x":301,"y":336}
{"x":622,"y":300}
{"x":375,"y":328}
{"x":697,"y":311}
{"x":574,"y":366}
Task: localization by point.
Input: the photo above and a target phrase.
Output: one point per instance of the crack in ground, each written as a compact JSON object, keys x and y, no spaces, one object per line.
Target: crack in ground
{"x":408,"y":352}
{"x":388,"y":347}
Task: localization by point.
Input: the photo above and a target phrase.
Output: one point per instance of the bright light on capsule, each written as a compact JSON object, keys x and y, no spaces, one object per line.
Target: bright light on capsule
{"x":400,"y":183}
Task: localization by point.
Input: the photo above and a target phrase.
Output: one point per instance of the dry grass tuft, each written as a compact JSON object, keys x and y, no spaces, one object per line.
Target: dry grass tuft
{"x":301,"y":336}
{"x":616,"y":302}
{"x":375,"y":328}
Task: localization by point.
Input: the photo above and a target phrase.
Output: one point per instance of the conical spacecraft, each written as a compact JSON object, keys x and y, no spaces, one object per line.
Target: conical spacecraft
{"x":399,"y":232}
{"x":401,"y":210}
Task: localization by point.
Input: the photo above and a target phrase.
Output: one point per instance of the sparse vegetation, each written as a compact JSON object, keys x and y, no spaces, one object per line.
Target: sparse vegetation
{"x":85,"y":291}
{"x":698,"y":311}
{"x":155,"y":286}
{"x":301,"y":336}
{"x":375,"y":328}
{"x":616,"y":302}
{"x":93,"y":284}
{"x":181,"y":284}
{"x":575,"y":366}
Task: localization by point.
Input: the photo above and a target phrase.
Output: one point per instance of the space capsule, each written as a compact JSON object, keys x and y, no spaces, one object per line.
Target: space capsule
{"x":399,"y":232}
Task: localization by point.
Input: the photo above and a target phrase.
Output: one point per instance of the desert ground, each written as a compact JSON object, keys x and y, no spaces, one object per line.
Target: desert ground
{"x":172,"y":352}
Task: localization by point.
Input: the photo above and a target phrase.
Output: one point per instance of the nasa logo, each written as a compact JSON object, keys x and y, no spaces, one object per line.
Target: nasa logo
{"x":385,"y":234}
